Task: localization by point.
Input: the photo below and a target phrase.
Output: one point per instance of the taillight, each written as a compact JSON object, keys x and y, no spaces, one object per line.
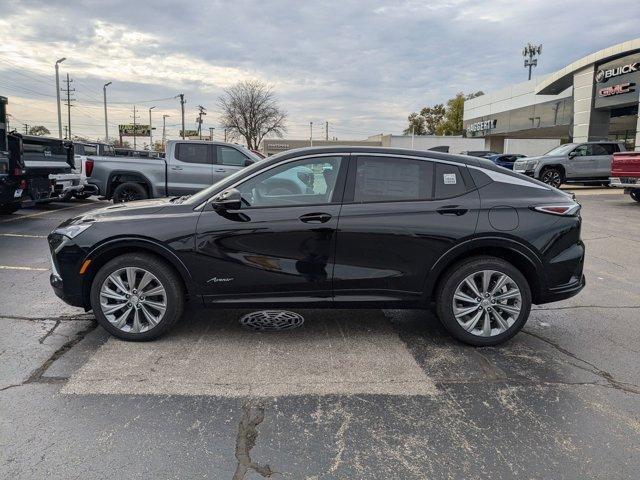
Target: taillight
{"x":88,"y":167}
{"x":569,"y":210}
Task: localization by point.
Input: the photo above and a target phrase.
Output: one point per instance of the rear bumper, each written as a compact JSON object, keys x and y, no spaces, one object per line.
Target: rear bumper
{"x":563,"y":292}
{"x":625,"y":182}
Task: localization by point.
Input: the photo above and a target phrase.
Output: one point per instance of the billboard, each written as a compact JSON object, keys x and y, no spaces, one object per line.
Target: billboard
{"x":129,"y":130}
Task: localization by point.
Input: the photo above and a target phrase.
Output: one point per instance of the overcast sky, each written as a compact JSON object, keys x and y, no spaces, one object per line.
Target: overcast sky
{"x":361,"y":66}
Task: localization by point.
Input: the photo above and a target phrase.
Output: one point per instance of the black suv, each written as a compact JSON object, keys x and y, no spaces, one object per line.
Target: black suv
{"x":372,"y":227}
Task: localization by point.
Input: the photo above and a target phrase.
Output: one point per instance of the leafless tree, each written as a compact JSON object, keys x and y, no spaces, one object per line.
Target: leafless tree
{"x":250,"y":110}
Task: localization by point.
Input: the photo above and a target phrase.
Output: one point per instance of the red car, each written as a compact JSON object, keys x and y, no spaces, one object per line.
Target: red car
{"x":625,"y":173}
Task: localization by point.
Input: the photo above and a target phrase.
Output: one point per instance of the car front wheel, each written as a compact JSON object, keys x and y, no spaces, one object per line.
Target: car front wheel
{"x":635,"y":195}
{"x":137,"y":297}
{"x":483,"y":301}
{"x":552,"y":176}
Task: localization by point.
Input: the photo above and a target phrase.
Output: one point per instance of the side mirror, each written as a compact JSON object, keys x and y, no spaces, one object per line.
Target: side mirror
{"x":572,"y":154}
{"x":248,"y":162}
{"x":230,"y":199}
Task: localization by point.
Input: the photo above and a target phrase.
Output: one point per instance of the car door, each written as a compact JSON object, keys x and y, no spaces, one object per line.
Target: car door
{"x":228,"y":161}
{"x":399,"y":215}
{"x":605,"y":153}
{"x":581,"y":164}
{"x":280,"y":246}
{"x":190,"y":168}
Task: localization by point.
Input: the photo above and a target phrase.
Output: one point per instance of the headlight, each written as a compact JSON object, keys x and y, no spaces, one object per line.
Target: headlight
{"x":533,"y":164}
{"x":72,"y":231}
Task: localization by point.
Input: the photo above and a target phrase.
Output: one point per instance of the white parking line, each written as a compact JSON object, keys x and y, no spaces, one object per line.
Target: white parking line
{"x":37,"y":214}
{"x":21,"y":235}
{"x":32,"y":269}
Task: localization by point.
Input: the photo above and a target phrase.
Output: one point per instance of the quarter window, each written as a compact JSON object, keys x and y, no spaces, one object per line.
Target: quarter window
{"x":231,"y":157}
{"x":193,"y":153}
{"x":449,"y":181}
{"x":305,"y":182}
{"x":388,"y":179}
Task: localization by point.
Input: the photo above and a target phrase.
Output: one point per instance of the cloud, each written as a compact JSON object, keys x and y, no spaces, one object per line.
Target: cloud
{"x":363,"y":66}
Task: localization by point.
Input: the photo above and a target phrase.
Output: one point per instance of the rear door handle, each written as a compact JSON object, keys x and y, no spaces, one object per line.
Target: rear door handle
{"x":220,"y":170}
{"x":175,"y":167}
{"x":315,"y":218}
{"x":452,"y":210}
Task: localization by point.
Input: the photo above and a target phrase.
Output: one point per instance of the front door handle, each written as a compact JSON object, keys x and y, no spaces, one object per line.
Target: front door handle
{"x":175,"y":167}
{"x":456,"y":210}
{"x":315,"y":218}
{"x":220,"y":170}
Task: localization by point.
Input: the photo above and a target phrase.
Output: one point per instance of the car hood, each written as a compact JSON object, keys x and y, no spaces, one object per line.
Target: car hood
{"x":544,"y":158}
{"x":120,"y":211}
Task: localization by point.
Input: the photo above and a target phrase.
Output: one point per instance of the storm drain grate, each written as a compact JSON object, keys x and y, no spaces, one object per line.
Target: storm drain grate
{"x":271,"y":320}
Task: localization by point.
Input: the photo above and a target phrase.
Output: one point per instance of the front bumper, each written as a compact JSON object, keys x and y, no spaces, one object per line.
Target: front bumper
{"x":66,"y":283}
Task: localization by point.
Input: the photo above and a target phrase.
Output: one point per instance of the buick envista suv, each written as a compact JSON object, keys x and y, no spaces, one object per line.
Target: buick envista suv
{"x":372,"y":228}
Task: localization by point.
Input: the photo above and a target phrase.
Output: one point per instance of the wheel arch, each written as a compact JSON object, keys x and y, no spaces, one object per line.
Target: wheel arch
{"x":105,"y":252}
{"x":519,"y":255}
{"x":118,"y":177}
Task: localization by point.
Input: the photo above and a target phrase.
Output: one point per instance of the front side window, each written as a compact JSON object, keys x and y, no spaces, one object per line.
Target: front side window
{"x":231,"y":157}
{"x":304,"y":182}
{"x":193,"y":153}
{"x":581,"y":151}
{"x":389,"y":179}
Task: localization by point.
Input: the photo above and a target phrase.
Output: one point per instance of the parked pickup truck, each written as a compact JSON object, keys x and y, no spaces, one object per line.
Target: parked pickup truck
{"x":625,"y":173}
{"x":189,"y":166}
{"x":585,"y":163}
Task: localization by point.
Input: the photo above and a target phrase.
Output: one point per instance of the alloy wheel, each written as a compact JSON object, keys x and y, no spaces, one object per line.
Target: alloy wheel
{"x":487,"y":303}
{"x":133,"y":300}
{"x":552,"y":177}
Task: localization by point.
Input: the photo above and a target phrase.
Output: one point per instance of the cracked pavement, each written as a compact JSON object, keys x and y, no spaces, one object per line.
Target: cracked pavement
{"x":351,"y":394}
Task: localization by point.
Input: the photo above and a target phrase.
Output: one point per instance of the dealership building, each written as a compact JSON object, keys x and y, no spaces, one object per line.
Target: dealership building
{"x":593,"y":98}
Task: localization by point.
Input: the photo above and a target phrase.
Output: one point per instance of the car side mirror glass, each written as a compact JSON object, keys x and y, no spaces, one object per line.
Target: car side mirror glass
{"x":230,"y":199}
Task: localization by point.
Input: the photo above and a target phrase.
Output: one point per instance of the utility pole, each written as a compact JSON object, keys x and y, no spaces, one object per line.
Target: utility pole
{"x":106,"y":125}
{"x":211,"y":134}
{"x":58,"y":62}
{"x":529,"y":53}
{"x":69,"y":104}
{"x":311,"y":134}
{"x":326,"y":131}
{"x":135,"y":126}
{"x":225,"y":134}
{"x":201,"y":112}
{"x":26,"y":129}
{"x":182,"y":102}
{"x":164,"y":130}
{"x":66,"y":131}
{"x":151,"y":149}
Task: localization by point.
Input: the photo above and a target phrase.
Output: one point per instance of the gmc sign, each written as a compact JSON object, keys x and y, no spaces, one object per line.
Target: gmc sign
{"x":619,"y":89}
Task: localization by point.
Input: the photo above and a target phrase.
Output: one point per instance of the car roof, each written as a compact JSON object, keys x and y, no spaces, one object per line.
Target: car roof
{"x":427,"y":154}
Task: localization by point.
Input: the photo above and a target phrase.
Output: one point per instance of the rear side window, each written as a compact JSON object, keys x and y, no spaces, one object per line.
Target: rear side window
{"x":231,"y":157}
{"x":449,"y":181}
{"x":193,"y":152}
{"x":90,"y":150}
{"x":597,"y":149}
{"x":610,"y":148}
{"x":389,"y":179}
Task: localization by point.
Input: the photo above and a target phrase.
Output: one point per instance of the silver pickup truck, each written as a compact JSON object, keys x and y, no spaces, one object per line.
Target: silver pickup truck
{"x":188,"y":166}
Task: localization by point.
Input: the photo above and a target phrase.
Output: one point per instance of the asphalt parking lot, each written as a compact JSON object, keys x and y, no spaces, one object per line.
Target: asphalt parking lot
{"x":350,"y":394}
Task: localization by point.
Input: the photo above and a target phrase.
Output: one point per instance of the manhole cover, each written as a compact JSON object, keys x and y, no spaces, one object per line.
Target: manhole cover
{"x":271,"y":320}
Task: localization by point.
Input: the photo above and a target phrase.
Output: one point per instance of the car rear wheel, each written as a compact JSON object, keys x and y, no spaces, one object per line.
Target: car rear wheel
{"x":483,"y":301}
{"x":9,"y":209}
{"x":552,"y":176}
{"x":635,"y":194}
{"x":137,"y":297}
{"x":129,"y":192}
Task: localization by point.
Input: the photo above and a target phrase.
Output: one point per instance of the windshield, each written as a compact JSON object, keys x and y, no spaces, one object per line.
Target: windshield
{"x":205,"y":194}
{"x":562,"y":149}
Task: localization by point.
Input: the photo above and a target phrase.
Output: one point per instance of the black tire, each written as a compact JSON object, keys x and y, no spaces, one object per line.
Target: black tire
{"x":635,"y":194}
{"x":552,"y":176}
{"x":165,"y":276}
{"x":456,"y":275}
{"x":9,"y":209}
{"x":129,"y":192}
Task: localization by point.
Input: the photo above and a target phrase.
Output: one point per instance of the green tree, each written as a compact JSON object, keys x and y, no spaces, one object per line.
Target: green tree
{"x":440,"y":119}
{"x":39,"y":130}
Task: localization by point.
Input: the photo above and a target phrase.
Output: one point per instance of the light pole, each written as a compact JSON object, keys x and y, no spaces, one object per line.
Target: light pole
{"x":211,"y":129}
{"x":106,"y":125}
{"x":529,"y":53}
{"x":58,"y":62}
{"x":150,"y":131}
{"x":311,"y":134}
{"x":164,"y":129}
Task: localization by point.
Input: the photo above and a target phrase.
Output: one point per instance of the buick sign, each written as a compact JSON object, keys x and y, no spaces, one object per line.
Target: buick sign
{"x":604,"y":75}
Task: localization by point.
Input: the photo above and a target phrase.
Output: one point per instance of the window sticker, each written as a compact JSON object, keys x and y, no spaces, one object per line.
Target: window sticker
{"x":450,"y":178}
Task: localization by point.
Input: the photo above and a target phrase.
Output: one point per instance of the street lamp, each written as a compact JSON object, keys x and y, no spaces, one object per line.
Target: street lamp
{"x":106,"y":125}
{"x":529,"y":53}
{"x":150,"y":129}
{"x":58,"y":62}
{"x":164,"y":129}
